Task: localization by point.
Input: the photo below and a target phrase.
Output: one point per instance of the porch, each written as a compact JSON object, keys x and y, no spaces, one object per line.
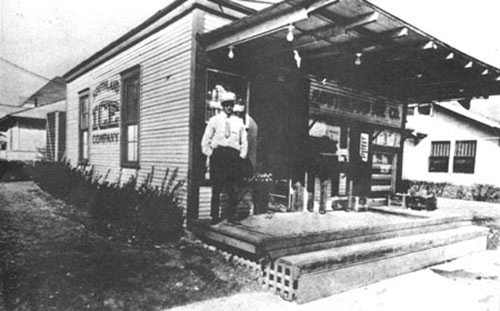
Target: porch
{"x":282,"y":234}
{"x":308,"y":256}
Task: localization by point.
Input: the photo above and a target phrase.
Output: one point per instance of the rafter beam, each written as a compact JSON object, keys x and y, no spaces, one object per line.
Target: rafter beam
{"x":352,"y":23}
{"x":277,"y":19}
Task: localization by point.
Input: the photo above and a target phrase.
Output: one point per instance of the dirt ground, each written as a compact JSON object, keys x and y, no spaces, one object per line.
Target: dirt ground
{"x":50,"y":260}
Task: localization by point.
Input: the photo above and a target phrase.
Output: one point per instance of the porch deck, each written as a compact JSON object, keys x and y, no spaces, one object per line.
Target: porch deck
{"x":283,"y":234}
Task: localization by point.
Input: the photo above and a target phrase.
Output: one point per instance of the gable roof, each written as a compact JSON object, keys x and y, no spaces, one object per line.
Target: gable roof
{"x":456,"y":109}
{"x":5,"y":110}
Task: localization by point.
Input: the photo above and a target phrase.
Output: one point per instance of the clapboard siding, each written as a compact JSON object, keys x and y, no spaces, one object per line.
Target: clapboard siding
{"x":165,"y":65}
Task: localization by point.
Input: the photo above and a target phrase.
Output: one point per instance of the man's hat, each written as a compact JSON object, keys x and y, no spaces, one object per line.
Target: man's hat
{"x":229,"y":102}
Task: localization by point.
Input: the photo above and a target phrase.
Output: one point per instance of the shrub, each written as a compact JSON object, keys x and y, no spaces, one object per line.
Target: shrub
{"x":476,"y":192}
{"x":13,"y":171}
{"x":135,"y":213}
{"x":425,"y":188}
{"x":485,"y":193}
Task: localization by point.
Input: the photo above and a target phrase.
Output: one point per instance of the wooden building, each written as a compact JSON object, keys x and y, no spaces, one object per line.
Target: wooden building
{"x":130,"y":105}
{"x":141,"y":103}
{"x":303,"y":68}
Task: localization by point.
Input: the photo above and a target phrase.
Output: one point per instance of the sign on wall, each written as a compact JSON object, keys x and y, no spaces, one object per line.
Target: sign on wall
{"x":106,"y":112}
{"x":328,"y":99}
{"x":364,"y":142}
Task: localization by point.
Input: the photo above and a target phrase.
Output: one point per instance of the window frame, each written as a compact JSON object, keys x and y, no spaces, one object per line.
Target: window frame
{"x":472,"y":149}
{"x":83,"y":157}
{"x":444,"y":156}
{"x":131,"y":74}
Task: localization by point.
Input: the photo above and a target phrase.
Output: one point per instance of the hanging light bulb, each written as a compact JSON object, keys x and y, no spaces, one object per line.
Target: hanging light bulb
{"x":231,"y":53}
{"x":357,"y":62}
{"x":297,"y":58}
{"x":289,"y":35}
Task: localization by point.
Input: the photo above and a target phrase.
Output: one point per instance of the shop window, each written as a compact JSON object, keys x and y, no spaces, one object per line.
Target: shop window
{"x":387,"y":138}
{"x":465,"y":156}
{"x":440,"y":155}
{"x":83,"y":139}
{"x":130,"y":117}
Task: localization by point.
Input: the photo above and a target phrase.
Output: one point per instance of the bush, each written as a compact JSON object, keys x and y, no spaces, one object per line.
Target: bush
{"x":485,"y":193}
{"x":425,"y":188}
{"x":476,"y":192}
{"x":13,"y":171}
{"x":130,"y":212}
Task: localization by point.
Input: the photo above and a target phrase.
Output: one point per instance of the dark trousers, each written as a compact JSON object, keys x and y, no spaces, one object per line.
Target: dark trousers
{"x":224,"y":172}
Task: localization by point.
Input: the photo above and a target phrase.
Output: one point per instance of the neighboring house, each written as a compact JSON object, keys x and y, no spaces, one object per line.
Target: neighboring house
{"x":25,"y":129}
{"x":451,"y":144}
{"x":5,"y":110}
{"x":26,"y":135}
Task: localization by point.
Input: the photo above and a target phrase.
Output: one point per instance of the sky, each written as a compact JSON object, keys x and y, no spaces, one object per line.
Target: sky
{"x":50,"y":37}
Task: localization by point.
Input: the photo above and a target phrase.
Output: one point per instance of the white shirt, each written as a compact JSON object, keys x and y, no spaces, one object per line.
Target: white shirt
{"x":215,"y":134}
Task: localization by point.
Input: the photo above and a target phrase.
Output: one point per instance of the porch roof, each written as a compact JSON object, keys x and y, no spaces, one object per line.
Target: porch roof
{"x":358,"y":45}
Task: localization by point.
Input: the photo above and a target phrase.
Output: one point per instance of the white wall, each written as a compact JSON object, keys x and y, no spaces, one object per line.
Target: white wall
{"x":24,"y":142}
{"x":445,"y":127}
{"x":165,"y":67}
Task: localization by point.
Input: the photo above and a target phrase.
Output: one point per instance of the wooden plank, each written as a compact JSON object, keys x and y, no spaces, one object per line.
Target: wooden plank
{"x":233,"y":242}
{"x":317,"y":237}
{"x":311,"y":247}
{"x":236,"y":231}
{"x":341,"y":257}
{"x":318,"y":285}
{"x":259,"y":29}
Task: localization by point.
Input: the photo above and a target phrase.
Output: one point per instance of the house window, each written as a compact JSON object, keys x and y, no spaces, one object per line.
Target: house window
{"x":440,"y":155}
{"x":130,"y":117}
{"x":465,"y":156}
{"x":84,"y":127}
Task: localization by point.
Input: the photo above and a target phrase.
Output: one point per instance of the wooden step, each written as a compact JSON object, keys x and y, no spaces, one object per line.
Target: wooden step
{"x":330,"y":240}
{"x":313,"y":275}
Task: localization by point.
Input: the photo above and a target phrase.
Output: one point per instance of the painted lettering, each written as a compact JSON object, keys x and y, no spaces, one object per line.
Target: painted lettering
{"x":106,"y":85}
{"x":105,"y":138}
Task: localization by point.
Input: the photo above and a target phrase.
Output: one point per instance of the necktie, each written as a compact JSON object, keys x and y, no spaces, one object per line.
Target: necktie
{"x":227,"y":130}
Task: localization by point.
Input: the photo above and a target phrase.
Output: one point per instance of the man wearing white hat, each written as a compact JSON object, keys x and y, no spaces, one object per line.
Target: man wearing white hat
{"x":225,"y":143}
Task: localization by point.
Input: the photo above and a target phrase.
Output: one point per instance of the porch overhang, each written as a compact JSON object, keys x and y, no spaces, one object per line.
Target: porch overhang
{"x":358,"y":45}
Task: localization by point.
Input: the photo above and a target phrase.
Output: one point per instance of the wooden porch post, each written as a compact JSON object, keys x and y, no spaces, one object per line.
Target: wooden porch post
{"x":196,"y":119}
